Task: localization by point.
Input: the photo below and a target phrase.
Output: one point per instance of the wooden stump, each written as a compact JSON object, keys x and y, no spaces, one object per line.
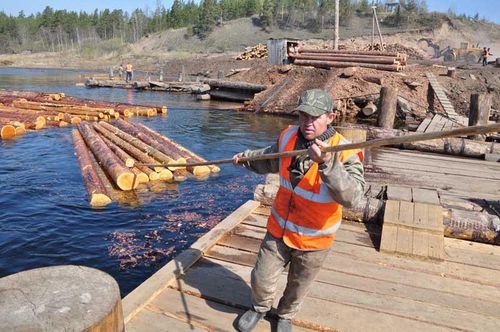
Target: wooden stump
{"x":452,"y":72}
{"x":68,"y":297}
{"x":387,"y":106}
{"x":479,"y":112}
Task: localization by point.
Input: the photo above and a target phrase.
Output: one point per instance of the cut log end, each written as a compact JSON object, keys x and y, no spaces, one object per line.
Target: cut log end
{"x":99,"y":200}
{"x":125,"y":181}
{"x":130,"y":162}
{"x":20,"y":131}
{"x":7,"y":131}
{"x":142,"y":177}
{"x":153,"y":176}
{"x":214,"y":169}
{"x":165,"y":175}
{"x":200,"y":171}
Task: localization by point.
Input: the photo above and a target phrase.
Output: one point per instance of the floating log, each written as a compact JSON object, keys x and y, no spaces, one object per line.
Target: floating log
{"x":7,"y":131}
{"x":31,"y":122}
{"x":150,"y":140}
{"x":95,"y":188}
{"x":180,"y":148}
{"x":127,"y":147}
{"x":338,"y":64}
{"x":158,"y":155}
{"x":122,"y":177}
{"x":60,"y":124}
{"x":141,"y":85}
{"x":140,"y":176}
{"x":125,"y":157}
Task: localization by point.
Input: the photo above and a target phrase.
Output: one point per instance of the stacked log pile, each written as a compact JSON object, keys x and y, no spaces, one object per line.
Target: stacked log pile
{"x":256,"y":52}
{"x":117,"y":153}
{"x":24,"y":110}
{"x":321,"y":58}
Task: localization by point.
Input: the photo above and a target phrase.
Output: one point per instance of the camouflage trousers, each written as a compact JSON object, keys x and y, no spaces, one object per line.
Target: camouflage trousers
{"x":274,"y":256}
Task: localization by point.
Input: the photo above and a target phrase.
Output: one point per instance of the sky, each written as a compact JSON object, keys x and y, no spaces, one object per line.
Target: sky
{"x":485,"y":8}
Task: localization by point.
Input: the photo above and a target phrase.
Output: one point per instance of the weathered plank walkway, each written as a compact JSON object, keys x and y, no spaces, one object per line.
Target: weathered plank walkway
{"x":358,"y":289}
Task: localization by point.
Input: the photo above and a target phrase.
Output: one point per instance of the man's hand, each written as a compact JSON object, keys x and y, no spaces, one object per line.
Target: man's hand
{"x":237,"y":157}
{"x":314,"y":152}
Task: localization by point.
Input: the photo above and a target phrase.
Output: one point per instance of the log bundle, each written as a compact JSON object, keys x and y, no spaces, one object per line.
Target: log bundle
{"x":111,"y":158}
{"x":24,"y":110}
{"x":327,"y":58}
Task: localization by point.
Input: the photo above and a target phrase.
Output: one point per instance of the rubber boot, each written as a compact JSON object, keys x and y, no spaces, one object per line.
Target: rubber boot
{"x":249,"y":320}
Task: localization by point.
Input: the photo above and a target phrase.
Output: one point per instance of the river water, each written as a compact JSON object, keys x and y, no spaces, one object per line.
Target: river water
{"x":45,"y":218}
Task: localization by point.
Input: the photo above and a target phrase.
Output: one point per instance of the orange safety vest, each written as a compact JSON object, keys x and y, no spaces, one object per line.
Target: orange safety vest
{"x":129,"y":67}
{"x":306,"y":217}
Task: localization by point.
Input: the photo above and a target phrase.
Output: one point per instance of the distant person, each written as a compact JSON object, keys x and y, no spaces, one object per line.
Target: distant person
{"x":485,"y":56}
{"x":129,"y":73}
{"x":120,"y":71}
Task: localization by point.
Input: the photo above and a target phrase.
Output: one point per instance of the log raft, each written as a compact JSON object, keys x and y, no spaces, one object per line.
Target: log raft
{"x":114,"y":167}
{"x":95,"y":188}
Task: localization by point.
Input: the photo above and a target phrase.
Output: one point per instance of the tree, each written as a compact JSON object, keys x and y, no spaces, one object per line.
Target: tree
{"x":206,"y":20}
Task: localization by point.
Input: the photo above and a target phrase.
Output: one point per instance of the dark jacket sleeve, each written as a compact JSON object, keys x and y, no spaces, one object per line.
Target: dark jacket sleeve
{"x":345,"y":180}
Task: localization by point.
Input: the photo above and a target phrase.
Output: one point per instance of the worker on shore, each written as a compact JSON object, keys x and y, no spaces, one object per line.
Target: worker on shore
{"x":486,"y":53}
{"x":120,"y":71}
{"x":307,"y":210}
{"x":129,"y":72}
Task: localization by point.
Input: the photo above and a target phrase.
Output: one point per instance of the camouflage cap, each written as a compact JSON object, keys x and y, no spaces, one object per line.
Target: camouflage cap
{"x":315,"y":102}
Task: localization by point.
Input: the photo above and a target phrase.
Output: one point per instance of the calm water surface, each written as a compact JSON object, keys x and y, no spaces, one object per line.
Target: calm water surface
{"x":45,"y":218}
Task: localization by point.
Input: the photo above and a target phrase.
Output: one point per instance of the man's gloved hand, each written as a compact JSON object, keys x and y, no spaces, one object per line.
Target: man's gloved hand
{"x":237,"y":157}
{"x":315,"y":154}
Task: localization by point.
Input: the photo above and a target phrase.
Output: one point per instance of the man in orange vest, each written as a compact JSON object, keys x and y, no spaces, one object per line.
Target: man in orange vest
{"x":307,"y":210}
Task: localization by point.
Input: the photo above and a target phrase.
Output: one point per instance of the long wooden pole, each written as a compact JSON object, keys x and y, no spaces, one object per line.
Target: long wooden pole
{"x":492,"y":128}
{"x":336,"y":37}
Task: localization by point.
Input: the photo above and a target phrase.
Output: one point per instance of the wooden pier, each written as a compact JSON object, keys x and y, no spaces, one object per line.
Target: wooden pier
{"x":358,"y":289}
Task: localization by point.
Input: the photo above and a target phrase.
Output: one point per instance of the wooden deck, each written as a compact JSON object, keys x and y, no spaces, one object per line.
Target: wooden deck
{"x":358,"y":289}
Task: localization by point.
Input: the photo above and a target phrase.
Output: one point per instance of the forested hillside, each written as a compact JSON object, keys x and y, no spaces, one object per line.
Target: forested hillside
{"x":58,"y":30}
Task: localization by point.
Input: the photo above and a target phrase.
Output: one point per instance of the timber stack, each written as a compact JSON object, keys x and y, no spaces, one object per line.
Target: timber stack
{"x":24,"y":110}
{"x":111,"y":158}
{"x":256,"y":52}
{"x":327,"y":58}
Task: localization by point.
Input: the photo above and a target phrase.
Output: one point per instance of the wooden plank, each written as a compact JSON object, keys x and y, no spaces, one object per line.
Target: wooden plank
{"x":420,"y":239}
{"x":424,"y":179}
{"x":196,"y":311}
{"x":425,"y":156}
{"x":212,"y":278}
{"x":400,"y":273}
{"x":438,"y":169}
{"x":390,"y":231}
{"x":423,"y":125}
{"x":452,"y":270}
{"x":398,"y":193}
{"x":264,"y":210}
{"x":436,"y":242}
{"x":404,"y":242}
{"x":421,"y":195}
{"x":159,"y":281}
{"x":255,"y":219}
{"x":158,"y":322}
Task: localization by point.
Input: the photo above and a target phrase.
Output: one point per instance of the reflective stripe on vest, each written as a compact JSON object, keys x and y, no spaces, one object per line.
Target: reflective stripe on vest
{"x":303,"y":230}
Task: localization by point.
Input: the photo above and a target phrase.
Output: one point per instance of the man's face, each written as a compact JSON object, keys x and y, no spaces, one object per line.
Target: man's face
{"x":313,"y":126}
